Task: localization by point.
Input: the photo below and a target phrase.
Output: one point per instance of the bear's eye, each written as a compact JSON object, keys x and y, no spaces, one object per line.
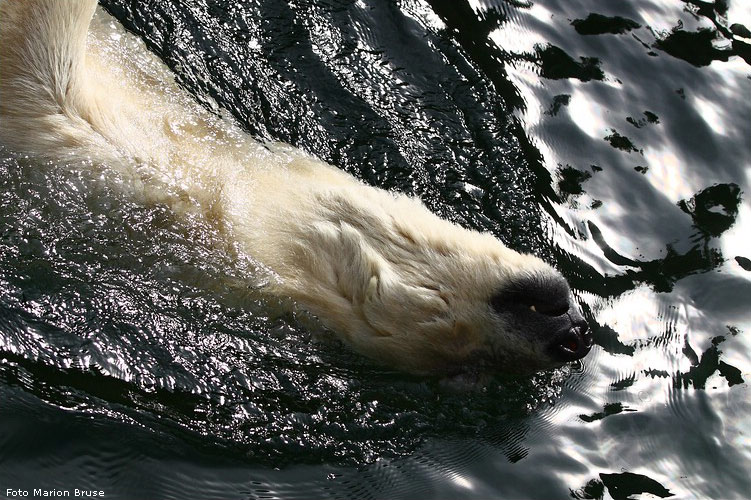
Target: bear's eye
{"x":559,"y":310}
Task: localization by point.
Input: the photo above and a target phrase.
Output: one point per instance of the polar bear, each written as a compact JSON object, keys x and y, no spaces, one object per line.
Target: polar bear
{"x":391,"y":279}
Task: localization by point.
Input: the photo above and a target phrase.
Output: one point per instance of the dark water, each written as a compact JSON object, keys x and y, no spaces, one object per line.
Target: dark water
{"x":612,"y":139}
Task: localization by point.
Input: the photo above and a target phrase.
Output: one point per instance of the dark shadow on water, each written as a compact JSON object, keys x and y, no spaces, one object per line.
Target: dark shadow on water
{"x":620,"y":486}
{"x":744,"y":262}
{"x":693,"y":47}
{"x":571,"y":180}
{"x":608,"y":410}
{"x":696,"y":47}
{"x":621,"y":142}
{"x":651,"y":119}
{"x":620,"y":385}
{"x":597,"y":24}
{"x":714,"y":209}
{"x":556,"y":64}
{"x":558,"y":102}
{"x":606,"y":337}
{"x":704,"y":367}
{"x":623,"y":485}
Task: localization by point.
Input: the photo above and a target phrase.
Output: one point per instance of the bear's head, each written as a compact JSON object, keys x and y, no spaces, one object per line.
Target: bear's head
{"x":416,"y":292}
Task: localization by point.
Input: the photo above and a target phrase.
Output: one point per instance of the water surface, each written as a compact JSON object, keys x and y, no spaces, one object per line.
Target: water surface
{"x":609,"y":138}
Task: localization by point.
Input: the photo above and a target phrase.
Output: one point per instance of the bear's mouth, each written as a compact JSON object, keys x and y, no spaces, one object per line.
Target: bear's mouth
{"x":573,"y":343}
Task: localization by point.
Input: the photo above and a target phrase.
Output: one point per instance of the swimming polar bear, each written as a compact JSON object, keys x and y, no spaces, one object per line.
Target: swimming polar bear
{"x":390,"y":278}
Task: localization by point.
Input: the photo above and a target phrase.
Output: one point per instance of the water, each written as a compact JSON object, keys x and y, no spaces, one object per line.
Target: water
{"x":610,"y":138}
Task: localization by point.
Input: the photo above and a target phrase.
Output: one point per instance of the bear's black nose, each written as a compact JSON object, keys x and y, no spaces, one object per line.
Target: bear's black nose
{"x":573,"y":343}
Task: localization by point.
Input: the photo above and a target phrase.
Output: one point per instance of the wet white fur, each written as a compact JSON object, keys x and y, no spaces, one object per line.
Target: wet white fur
{"x":393,"y":280}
